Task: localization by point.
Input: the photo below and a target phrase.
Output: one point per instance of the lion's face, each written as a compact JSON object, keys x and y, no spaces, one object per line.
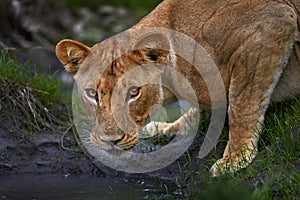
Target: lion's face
{"x":118,"y":122}
{"x":116,"y":101}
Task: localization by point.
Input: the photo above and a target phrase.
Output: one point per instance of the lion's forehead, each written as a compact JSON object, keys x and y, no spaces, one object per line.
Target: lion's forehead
{"x":106,"y":79}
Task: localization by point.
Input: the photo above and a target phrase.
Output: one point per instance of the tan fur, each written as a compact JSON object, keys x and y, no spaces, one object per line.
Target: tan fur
{"x":255,"y":44}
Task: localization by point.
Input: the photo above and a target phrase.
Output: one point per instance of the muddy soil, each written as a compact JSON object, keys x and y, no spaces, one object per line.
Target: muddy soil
{"x":48,"y":152}
{"x":41,"y":153}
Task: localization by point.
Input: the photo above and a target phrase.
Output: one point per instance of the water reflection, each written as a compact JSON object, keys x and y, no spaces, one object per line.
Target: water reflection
{"x":48,"y":187}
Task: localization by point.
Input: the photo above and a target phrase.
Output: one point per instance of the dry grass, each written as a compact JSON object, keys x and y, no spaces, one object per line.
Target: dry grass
{"x":20,"y":106}
{"x":28,"y":100}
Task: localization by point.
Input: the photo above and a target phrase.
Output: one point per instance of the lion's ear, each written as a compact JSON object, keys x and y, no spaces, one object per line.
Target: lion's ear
{"x":154,"y":47}
{"x":71,"y":54}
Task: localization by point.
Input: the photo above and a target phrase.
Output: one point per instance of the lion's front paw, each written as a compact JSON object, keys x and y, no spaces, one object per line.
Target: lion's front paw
{"x":156,"y":128}
{"x":222,"y":166}
{"x":233,"y":163}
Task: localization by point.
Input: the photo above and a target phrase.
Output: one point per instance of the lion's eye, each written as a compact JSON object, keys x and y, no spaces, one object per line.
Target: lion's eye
{"x":133,"y":91}
{"x":92,"y":93}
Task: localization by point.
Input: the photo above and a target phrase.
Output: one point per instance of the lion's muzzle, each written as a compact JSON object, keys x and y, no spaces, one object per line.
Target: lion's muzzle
{"x":125,"y":142}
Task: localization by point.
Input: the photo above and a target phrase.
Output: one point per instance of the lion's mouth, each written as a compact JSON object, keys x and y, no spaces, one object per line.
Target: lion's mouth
{"x":126,"y":142}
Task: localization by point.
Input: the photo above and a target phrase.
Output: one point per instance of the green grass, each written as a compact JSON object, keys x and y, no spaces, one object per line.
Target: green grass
{"x":274,"y":174}
{"x":45,"y":87}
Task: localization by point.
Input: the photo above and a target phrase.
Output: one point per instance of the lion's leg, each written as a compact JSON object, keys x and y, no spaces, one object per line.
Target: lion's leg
{"x":256,"y":70}
{"x":154,"y":128}
{"x":247,"y":106}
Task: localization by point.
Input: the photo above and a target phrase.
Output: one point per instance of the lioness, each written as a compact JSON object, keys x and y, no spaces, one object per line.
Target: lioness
{"x":254,"y":43}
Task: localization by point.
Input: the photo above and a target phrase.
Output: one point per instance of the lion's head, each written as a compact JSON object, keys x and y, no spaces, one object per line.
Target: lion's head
{"x":110,"y":85}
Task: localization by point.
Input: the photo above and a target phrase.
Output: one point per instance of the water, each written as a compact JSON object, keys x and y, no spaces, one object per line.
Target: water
{"x":48,"y":187}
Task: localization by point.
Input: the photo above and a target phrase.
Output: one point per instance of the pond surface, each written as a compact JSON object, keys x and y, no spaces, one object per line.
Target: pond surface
{"x":48,"y":187}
